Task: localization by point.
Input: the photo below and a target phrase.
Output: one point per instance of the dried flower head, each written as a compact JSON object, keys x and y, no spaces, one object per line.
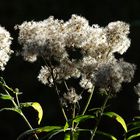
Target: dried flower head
{"x":45,"y":76}
{"x":5,"y":51}
{"x":86,"y":83}
{"x":117,"y":39}
{"x":62,"y":72}
{"x":44,"y":38}
{"x":76,"y":31}
{"x":76,"y":49}
{"x":71,"y":97}
{"x":110,"y":76}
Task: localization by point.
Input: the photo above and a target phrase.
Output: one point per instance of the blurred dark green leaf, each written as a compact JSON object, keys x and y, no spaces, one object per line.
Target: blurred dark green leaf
{"x":11,"y":109}
{"x":5,"y":97}
{"x":67,"y":136}
{"x":51,"y":130}
{"x":82,"y":118}
{"x":132,"y":137}
{"x":111,"y":137}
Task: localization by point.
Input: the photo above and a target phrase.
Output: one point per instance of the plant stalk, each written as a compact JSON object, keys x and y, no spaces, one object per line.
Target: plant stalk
{"x":99,"y":117}
{"x":17,"y":106}
{"x":87,"y":104}
{"x":57,"y":91}
{"x":72,"y":125}
{"x":29,"y":125}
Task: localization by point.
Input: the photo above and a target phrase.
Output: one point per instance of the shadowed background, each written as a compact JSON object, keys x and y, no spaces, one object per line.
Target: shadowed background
{"x":22,"y":75}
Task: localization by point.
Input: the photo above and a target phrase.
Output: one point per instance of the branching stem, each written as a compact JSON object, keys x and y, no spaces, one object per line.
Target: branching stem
{"x":99,"y":117}
{"x":17,"y":105}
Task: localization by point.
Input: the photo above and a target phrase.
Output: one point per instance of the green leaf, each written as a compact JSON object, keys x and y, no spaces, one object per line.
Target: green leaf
{"x":137,"y":117}
{"x":67,"y":136}
{"x":37,"y":107}
{"x":76,"y":134}
{"x":106,"y":135}
{"x":11,"y":109}
{"x":48,"y":128}
{"x":135,"y":123}
{"x":66,"y":126}
{"x":53,"y":130}
{"x":133,"y":136}
{"x":53,"y":133}
{"x":95,"y":109}
{"x":5,"y":97}
{"x":82,"y":118}
{"x":118,"y":118}
{"x":133,"y":129}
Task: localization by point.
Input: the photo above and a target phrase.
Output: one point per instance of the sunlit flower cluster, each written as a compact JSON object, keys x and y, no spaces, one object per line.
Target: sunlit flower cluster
{"x":76,"y":49}
{"x":44,"y":38}
{"x":5,"y":51}
{"x":71,"y":97}
{"x":112,"y":75}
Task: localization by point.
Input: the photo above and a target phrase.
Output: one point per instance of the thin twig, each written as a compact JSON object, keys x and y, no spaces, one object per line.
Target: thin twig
{"x":99,"y":117}
{"x":57,"y":91}
{"x":17,"y":106}
{"x":87,"y":104}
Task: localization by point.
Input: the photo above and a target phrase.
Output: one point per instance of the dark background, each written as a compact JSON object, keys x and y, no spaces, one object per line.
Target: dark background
{"x":22,"y":75}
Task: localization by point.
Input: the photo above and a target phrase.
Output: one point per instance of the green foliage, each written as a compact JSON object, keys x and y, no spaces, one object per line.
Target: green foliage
{"x":36,"y":106}
{"x":50,"y":130}
{"x":70,"y":128}
{"x":67,"y":136}
{"x":82,"y":118}
{"x":66,"y":126}
{"x":137,"y":118}
{"x":134,"y":129}
{"x":11,"y":109}
{"x":109,"y":136}
{"x":132,"y":137}
{"x":118,"y":118}
{"x":5,"y":97}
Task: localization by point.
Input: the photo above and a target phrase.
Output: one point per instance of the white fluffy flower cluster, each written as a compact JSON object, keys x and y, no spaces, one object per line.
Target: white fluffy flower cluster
{"x":44,"y":38}
{"x":76,"y":49}
{"x":112,"y":75}
{"x":71,"y":97}
{"x":5,"y":51}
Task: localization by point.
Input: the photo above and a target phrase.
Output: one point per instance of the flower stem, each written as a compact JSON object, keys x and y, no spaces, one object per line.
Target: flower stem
{"x":72,"y":127}
{"x":29,"y":125}
{"x":87,"y":104}
{"x":57,"y":91}
{"x":12,"y":99}
{"x":99,"y":117}
{"x":88,"y":101}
